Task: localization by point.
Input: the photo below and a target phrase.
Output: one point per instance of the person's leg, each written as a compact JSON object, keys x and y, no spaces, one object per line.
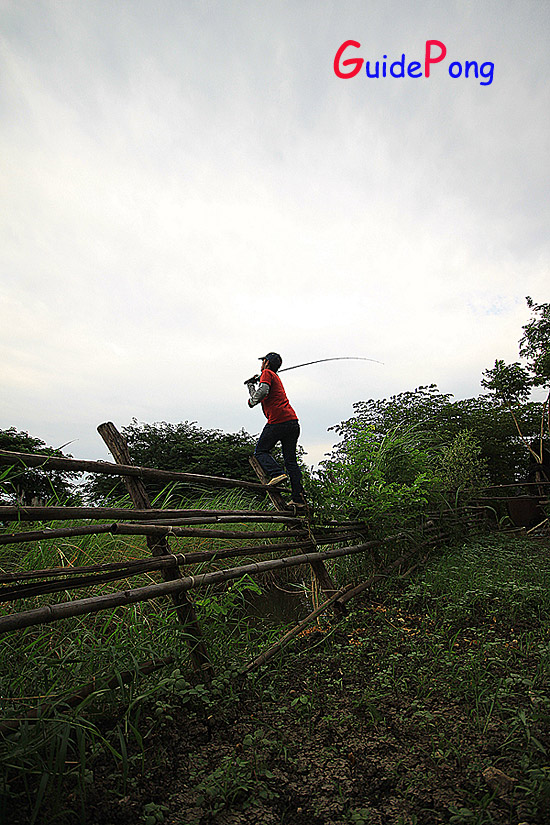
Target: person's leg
{"x":267,"y":440}
{"x":288,"y":434}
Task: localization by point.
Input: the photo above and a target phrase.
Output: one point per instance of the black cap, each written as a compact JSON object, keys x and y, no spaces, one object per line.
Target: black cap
{"x":274,"y":359}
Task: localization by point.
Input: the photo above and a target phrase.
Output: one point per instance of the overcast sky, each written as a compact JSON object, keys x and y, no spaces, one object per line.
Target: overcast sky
{"x":186,"y":185}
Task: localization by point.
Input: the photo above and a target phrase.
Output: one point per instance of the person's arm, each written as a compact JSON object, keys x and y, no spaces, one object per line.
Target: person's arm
{"x":257,"y":394}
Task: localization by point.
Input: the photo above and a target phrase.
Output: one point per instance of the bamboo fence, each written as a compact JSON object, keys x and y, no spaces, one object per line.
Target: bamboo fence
{"x":242,"y":533}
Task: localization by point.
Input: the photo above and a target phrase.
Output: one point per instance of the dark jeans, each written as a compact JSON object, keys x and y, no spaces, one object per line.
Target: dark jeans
{"x":287,"y":433}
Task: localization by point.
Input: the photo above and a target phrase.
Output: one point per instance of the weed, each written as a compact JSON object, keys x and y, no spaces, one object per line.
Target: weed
{"x":475,"y":815}
{"x":358,"y":816}
{"x":153,"y":813}
{"x":242,"y":778}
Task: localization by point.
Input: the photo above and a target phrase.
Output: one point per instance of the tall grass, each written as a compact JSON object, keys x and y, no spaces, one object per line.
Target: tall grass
{"x":40,"y":665}
{"x":94,"y":643}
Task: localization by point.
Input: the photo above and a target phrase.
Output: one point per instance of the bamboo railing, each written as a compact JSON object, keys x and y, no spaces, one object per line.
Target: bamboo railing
{"x":45,"y":462}
{"x":244,"y":528}
{"x":292,"y":532}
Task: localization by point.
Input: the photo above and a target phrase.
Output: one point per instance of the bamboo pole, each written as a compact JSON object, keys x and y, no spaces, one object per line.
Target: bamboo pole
{"x":246,"y":518}
{"x":506,"y":499}
{"x":94,"y":604}
{"x":169,"y":530}
{"x":49,"y":533}
{"x":355,"y":591}
{"x":295,"y":631}
{"x":22,"y":513}
{"x":320,"y":572}
{"x":273,"y":493}
{"x":159,"y":546}
{"x":28,"y":591}
{"x":153,"y":562}
{"x":357,"y":525}
{"x":343,"y":595}
{"x":25,"y":537}
{"x":154,"y":530}
{"x":125,"y":568}
{"x":127,"y":470}
{"x":516,"y":484}
{"x":320,"y":532}
{"x":69,"y":579}
{"x":179,"y":559}
{"x":25,"y":590}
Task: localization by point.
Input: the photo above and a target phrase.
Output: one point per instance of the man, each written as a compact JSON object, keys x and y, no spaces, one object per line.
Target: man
{"x":282,"y":425}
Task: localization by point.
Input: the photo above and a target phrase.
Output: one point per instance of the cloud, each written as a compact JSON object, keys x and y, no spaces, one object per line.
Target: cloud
{"x":187,"y":185}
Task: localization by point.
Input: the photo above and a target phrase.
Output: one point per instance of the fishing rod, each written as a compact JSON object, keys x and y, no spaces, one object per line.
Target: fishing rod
{"x":319,"y":361}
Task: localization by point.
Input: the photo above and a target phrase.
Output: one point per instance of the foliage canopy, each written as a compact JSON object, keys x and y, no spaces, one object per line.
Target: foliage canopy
{"x":184,"y":447}
{"x":511,"y":384}
{"x":400,"y":456}
{"x":441,"y":419}
{"x":23,"y":485}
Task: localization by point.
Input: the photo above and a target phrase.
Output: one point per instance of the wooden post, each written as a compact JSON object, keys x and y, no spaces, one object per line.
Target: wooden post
{"x":159,"y":547}
{"x":320,"y":572}
{"x":276,"y":498}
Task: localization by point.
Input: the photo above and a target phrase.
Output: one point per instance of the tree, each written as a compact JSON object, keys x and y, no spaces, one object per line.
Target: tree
{"x":462,"y":468}
{"x":495,"y":431}
{"x":534,"y":344}
{"x":511,"y":384}
{"x":442,"y":419}
{"x":400,"y":456}
{"x":416,"y":408}
{"x":28,"y":485}
{"x":183,"y":447}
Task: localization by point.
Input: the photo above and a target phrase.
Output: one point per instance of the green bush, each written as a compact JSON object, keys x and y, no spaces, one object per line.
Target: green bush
{"x":384,"y":479}
{"x":462,"y":467}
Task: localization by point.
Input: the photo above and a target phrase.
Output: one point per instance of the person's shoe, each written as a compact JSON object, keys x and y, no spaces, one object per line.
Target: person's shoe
{"x":277,"y":480}
{"x":300,"y":505}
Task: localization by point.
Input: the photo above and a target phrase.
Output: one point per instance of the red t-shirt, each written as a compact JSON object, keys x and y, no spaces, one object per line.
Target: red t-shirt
{"x":276,"y":406}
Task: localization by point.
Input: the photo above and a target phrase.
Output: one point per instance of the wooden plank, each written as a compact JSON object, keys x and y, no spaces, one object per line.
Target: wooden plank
{"x":320,"y":572}
{"x":159,"y":546}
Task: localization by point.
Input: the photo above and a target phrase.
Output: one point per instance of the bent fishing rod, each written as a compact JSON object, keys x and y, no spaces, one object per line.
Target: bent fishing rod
{"x":319,"y":361}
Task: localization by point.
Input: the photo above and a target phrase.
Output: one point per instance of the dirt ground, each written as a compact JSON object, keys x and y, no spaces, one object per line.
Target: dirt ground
{"x":316,"y":742}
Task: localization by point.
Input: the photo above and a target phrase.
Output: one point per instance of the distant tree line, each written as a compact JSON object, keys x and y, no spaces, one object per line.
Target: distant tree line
{"x":441,"y":419}
{"x":33,"y":486}
{"x":433,"y":421}
{"x":396,"y":451}
{"x":185,"y":447}
{"x":400,"y":456}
